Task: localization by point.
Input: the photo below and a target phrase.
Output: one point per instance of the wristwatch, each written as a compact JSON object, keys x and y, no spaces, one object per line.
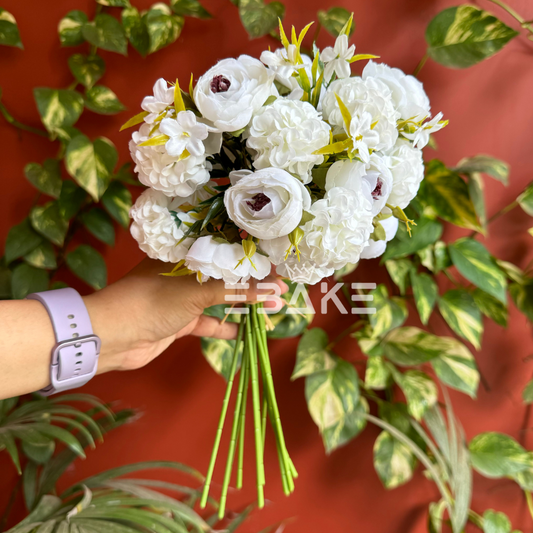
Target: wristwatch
{"x":75,"y":355}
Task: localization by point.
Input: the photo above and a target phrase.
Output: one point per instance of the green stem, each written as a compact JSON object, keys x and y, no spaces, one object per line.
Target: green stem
{"x":476,"y":519}
{"x":233,"y":442}
{"x":252,"y":354}
{"x":19,"y":125}
{"x":523,"y":22}
{"x":214,"y":453}
{"x":420,"y":65}
{"x":240,"y":463}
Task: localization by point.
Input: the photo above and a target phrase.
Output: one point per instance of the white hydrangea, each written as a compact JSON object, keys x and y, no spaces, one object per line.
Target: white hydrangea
{"x":407,"y":167}
{"x":377,"y":248}
{"x":163,"y":97}
{"x":210,"y":258}
{"x":408,"y":94}
{"x":158,"y":225}
{"x":373,"y":115}
{"x":163,"y":172}
{"x":285,"y":135}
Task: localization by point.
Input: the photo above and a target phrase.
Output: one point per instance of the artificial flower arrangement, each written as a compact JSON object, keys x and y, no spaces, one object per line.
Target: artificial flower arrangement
{"x":286,"y":161}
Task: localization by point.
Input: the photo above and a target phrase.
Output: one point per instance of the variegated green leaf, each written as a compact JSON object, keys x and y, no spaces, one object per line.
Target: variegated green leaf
{"x":399,"y":270}
{"x":88,"y":264}
{"x":163,"y":26}
{"x":70,"y":28}
{"x":103,"y":100}
{"x":190,"y":8}
{"x":47,"y":221}
{"x":106,"y":32}
{"x":476,"y":189}
{"x":390,"y":312}
{"x":21,"y":240}
{"x":86,"y":69}
{"x":59,"y":108}
{"x":136,"y":31}
{"x":312,"y":355}
{"x":411,"y":346}
{"x":525,"y":200}
{"x":219,"y":354}
{"x":46,"y":177}
{"x":485,"y":164}
{"x":491,"y":307}
{"x":393,"y":461}
{"x":26,"y":279}
{"x":9,"y":32}
{"x":117,"y":201}
{"x":419,"y":389}
{"x":258,"y":17}
{"x":495,"y":522}
{"x":476,"y":264}
{"x":527,"y":393}
{"x":425,"y":291}
{"x":43,"y":256}
{"x":522,"y":294}
{"x":334,"y":20}
{"x":377,"y":374}
{"x":462,"y":315}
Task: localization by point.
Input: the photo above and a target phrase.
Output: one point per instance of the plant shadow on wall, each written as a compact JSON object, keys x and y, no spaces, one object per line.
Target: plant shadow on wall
{"x":406,"y":358}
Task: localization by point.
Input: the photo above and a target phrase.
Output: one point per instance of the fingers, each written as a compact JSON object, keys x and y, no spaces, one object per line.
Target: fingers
{"x":208,"y":326}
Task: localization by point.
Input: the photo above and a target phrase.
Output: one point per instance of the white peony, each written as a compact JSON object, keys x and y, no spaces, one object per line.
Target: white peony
{"x":377,"y":248}
{"x":373,"y":179}
{"x":285,"y":135}
{"x":268,"y":203}
{"x":337,"y":59}
{"x":212,"y":259}
{"x":420,"y":136}
{"x":230,"y":92}
{"x":407,"y":167}
{"x":156,"y":104}
{"x":185,"y":133}
{"x":373,"y":115}
{"x":158,"y":226}
{"x":408,"y":94}
{"x":163,"y":172}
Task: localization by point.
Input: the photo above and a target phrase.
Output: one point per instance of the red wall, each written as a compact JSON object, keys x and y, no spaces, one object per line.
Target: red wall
{"x":490,"y":111}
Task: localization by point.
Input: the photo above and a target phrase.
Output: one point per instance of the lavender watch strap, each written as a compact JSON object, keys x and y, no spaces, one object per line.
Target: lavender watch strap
{"x":75,"y":356}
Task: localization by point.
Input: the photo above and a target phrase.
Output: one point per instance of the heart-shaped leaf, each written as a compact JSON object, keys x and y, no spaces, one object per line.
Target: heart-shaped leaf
{"x":190,"y":8}
{"x":59,"y":108}
{"x":27,"y":279}
{"x":259,"y":18}
{"x":88,"y":265}
{"x":117,"y":201}
{"x":136,"y":30}
{"x":99,"y":224}
{"x":334,"y":20}
{"x":47,"y":220}
{"x":70,"y":28}
{"x":163,"y":26}
{"x":103,"y":100}
{"x":107,"y":33}
{"x":86,"y":69}
{"x":21,"y":240}
{"x":46,"y":177}
{"x":9,"y":32}
{"x":44,"y":256}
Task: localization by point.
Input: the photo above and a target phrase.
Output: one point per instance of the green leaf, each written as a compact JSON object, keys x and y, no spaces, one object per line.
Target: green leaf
{"x":334,"y":404}
{"x":9,"y":32}
{"x":20,"y":241}
{"x":259,"y":18}
{"x":525,"y":200}
{"x":393,"y":461}
{"x":522,"y":295}
{"x":447,"y":194}
{"x":45,"y":178}
{"x":219,"y":354}
{"x":442,"y":256}
{"x":495,"y":522}
{"x":117,"y":200}
{"x":44,"y":256}
{"x":8,"y":442}
{"x":476,"y":264}
{"x":527,"y":393}
{"x":27,"y":279}
{"x":491,"y":307}
{"x":399,"y":270}
{"x":425,"y":291}
{"x":62,"y":435}
{"x":71,"y":199}
{"x":390,"y":312}
{"x":86,"y":69}
{"x":114,"y":3}
{"x":462,"y":36}
{"x":410,"y":346}
{"x":99,"y":224}
{"x":103,"y":100}
{"x":106,"y":32}
{"x":462,"y":315}
{"x":476,"y":189}
{"x":456,"y":367}
{"x":91,"y":163}
{"x":88,"y":265}
{"x":47,"y":220}
{"x":59,"y":108}
{"x":496,"y":455}
{"x":334,"y":20}
{"x":163,"y":26}
{"x":5,"y":286}
{"x":190,"y":8}
{"x":136,"y":30}
{"x":312,"y":355}
{"x":377,"y":374}
{"x":39,"y":453}
{"x":419,"y":389}
{"x":485,"y":164}
{"x":70,"y":28}
{"x":426,"y":232}
{"x":346,"y":270}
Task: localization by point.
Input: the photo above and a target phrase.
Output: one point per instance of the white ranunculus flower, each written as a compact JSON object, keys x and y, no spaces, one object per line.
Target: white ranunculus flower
{"x":230,"y":92}
{"x":185,"y":133}
{"x":268,"y":203}
{"x":373,"y":179}
{"x":285,"y":135}
{"x":213,"y":259}
{"x":407,"y":92}
{"x":377,"y":248}
{"x":336,"y":59}
{"x":163,"y":172}
{"x":162,"y":98}
{"x":420,"y":136}
{"x":158,"y":226}
{"x":373,"y":114}
{"x":340,"y":229}
{"x":407,"y":167}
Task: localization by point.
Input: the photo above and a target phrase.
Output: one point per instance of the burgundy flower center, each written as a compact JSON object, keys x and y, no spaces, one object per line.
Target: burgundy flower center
{"x":258,"y":201}
{"x":376,"y":193}
{"x":220,"y":84}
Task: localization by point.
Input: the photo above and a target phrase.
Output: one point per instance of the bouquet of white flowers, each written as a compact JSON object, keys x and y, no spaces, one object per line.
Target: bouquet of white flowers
{"x":286,"y":161}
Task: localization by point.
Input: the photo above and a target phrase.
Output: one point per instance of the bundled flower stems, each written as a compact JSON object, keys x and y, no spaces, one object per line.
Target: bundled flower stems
{"x":290,"y":161}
